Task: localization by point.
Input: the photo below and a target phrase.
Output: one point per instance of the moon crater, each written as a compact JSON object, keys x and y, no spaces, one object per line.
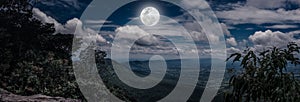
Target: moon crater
{"x":150,"y":16}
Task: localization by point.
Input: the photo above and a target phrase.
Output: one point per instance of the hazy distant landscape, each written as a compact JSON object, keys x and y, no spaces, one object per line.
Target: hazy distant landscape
{"x":163,"y":88}
{"x":141,"y":68}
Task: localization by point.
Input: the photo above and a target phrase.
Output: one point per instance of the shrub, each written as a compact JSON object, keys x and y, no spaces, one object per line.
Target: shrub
{"x":264,"y":76}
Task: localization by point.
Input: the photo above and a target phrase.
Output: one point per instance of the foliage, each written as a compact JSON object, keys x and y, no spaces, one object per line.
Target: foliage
{"x":32,"y":59}
{"x":265,"y":77}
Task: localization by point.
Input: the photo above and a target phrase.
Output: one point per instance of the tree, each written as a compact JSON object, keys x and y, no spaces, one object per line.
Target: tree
{"x":264,"y":76}
{"x":32,"y":59}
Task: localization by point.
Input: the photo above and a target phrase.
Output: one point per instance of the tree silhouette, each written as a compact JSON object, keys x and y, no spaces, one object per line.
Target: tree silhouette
{"x":265,"y":77}
{"x":32,"y":59}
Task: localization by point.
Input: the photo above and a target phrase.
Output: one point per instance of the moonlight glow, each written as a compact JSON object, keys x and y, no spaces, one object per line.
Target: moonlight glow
{"x":150,"y":16}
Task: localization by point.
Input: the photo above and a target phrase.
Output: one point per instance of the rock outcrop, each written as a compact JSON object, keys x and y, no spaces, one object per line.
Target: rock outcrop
{"x":6,"y":96}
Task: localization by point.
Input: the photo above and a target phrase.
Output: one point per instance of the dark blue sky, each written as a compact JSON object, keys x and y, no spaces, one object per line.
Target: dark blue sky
{"x":249,"y":22}
{"x":129,"y":11}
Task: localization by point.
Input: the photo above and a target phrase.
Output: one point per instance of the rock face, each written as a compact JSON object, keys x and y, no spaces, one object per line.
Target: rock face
{"x":6,"y":96}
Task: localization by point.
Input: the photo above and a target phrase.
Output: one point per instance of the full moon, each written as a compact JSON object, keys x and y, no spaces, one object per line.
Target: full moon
{"x":150,"y":16}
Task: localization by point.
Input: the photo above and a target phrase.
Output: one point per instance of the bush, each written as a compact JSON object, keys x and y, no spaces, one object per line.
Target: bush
{"x":264,"y":76}
{"x":33,"y":60}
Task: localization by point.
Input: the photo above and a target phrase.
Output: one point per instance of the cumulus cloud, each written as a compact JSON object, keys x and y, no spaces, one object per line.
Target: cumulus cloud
{"x":262,"y":40}
{"x":225,"y":29}
{"x":131,"y":32}
{"x":243,"y":43}
{"x":69,"y":27}
{"x":232,"y":50}
{"x":231,"y":41}
{"x":44,"y":18}
{"x":269,"y":38}
{"x":248,"y":14}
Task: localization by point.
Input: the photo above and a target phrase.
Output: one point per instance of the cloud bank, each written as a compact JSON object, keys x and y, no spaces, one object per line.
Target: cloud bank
{"x":248,"y":14}
{"x":69,"y":27}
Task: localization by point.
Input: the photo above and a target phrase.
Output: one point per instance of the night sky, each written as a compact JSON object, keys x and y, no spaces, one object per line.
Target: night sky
{"x":253,"y":23}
